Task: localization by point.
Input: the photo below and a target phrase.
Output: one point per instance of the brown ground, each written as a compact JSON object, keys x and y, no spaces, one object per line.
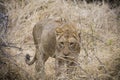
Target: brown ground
{"x":99,"y":26}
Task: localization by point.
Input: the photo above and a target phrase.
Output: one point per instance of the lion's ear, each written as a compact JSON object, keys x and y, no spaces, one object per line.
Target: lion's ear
{"x":79,"y":34}
{"x":58,"y":31}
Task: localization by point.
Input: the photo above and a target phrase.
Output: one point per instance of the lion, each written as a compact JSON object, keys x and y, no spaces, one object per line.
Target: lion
{"x":60,"y":41}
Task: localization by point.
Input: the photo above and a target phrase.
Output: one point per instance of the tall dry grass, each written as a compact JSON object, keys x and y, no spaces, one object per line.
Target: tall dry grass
{"x":98,"y":24}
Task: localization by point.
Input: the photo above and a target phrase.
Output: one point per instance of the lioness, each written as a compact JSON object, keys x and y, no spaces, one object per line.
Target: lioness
{"x":54,"y":40}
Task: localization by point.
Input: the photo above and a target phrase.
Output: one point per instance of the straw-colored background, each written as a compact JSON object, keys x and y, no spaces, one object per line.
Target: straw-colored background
{"x":98,"y":23}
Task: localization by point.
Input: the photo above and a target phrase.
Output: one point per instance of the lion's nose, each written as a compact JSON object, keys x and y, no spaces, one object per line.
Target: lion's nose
{"x":66,"y":53}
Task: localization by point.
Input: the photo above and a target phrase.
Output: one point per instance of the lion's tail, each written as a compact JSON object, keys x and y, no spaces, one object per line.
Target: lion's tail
{"x":27,"y":59}
{"x":37,"y":31}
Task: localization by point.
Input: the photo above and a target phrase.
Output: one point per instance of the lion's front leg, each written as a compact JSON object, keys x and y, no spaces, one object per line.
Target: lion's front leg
{"x":39,"y":66}
{"x":71,"y":69}
{"x":65,"y":70}
{"x":61,"y":70}
{"x":40,"y":73}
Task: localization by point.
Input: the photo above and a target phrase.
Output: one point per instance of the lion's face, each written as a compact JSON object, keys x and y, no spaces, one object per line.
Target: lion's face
{"x":67,"y":42}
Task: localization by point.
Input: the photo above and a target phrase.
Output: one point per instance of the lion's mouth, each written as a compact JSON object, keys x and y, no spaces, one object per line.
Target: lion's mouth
{"x":69,"y":57}
{"x":66,"y":58}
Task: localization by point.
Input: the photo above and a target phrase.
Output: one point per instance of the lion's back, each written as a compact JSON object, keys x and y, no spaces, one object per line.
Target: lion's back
{"x":44,"y":34}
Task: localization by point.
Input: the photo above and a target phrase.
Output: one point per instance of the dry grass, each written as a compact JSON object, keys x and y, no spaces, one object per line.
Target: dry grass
{"x":98,"y":25}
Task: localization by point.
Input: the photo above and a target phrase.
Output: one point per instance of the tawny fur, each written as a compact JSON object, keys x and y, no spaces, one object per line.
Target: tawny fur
{"x":54,"y":40}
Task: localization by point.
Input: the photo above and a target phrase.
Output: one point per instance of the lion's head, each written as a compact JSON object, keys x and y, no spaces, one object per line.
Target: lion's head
{"x":67,"y":42}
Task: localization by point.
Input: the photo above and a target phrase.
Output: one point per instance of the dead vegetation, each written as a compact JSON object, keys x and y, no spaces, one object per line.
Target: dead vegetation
{"x":100,"y":37}
{"x":9,"y":70}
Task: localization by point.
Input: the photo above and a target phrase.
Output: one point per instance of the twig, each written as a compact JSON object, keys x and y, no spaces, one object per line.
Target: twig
{"x":95,"y":50}
{"x":72,"y":60}
{"x":11,"y":46}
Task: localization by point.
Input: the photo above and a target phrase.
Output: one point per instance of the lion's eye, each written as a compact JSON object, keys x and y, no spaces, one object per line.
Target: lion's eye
{"x":61,"y":44}
{"x":72,"y":44}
